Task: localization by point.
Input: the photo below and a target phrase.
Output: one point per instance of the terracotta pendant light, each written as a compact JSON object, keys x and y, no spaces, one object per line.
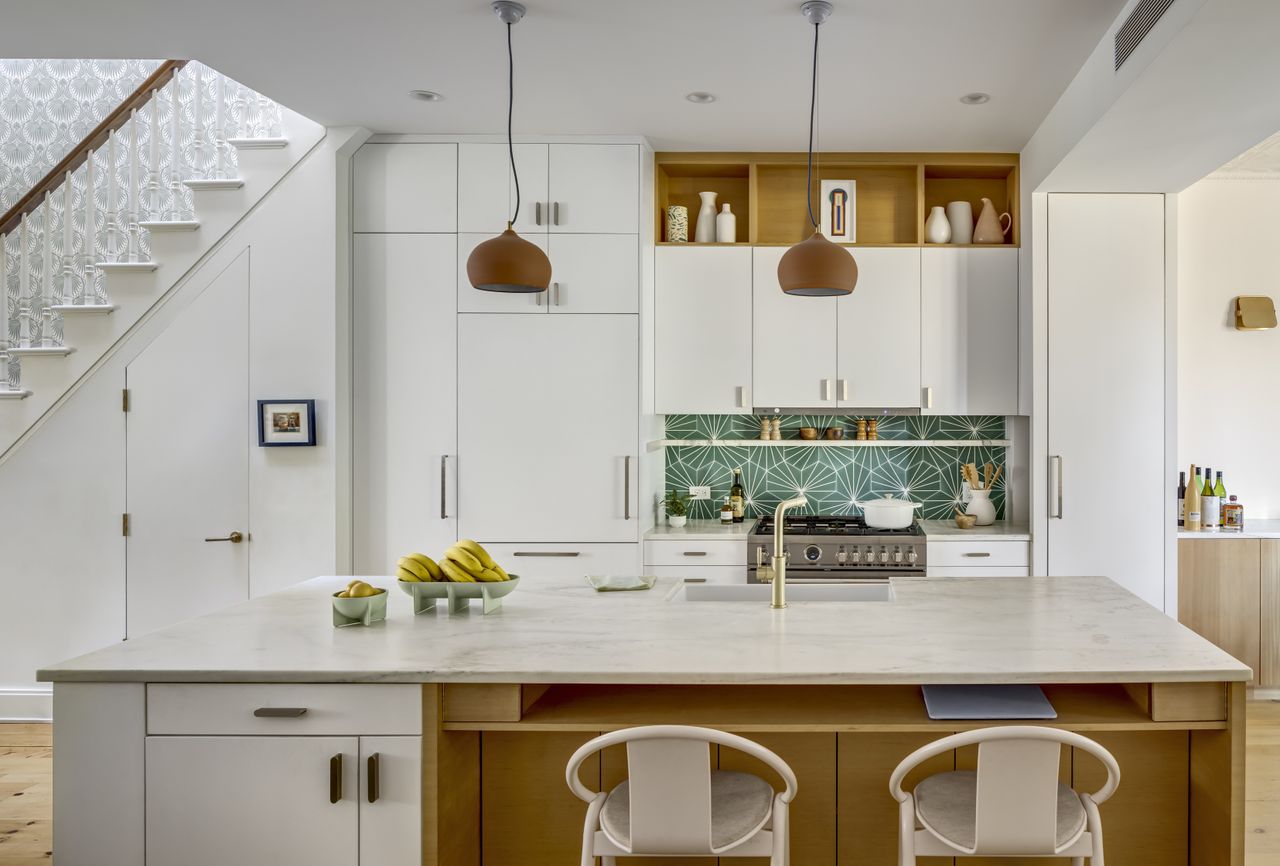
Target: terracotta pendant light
{"x":816,"y":267}
{"x":509,"y":263}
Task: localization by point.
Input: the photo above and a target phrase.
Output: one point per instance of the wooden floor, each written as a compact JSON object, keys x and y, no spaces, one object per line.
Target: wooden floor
{"x":26,"y":790}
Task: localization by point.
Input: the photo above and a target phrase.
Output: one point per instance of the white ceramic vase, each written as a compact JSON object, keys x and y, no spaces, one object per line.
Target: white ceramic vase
{"x":677,"y":520}
{"x":726,"y":225}
{"x":705,"y":232}
{"x":960,"y":216}
{"x":981,"y":507}
{"x":937,"y":229}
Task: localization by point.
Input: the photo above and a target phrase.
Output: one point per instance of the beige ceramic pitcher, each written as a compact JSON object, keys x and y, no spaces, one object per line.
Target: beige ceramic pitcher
{"x":990,"y":228}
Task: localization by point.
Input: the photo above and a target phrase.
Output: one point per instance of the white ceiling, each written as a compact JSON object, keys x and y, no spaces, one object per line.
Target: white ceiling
{"x":892,"y":70}
{"x":1262,"y":161}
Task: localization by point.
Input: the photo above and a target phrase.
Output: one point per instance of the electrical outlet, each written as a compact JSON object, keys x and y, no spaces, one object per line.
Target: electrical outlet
{"x":700,"y":492}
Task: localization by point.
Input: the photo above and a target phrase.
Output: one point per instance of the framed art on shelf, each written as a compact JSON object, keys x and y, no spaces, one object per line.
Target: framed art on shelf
{"x":839,"y":211}
{"x":286,"y":422}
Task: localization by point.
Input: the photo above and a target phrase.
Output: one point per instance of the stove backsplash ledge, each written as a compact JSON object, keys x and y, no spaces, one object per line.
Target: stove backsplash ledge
{"x":833,"y":478}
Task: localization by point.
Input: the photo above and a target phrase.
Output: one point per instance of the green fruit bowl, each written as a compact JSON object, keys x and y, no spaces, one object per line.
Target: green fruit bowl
{"x":359,"y":611}
{"x":460,"y":595}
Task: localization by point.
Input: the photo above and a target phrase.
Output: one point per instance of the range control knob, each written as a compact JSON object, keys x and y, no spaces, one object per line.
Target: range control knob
{"x":912,"y":556}
{"x":842,"y":556}
{"x":854,"y":556}
{"x":884,"y":555}
{"x":869,"y":557}
{"x":813,"y":553}
{"x":897,"y":554}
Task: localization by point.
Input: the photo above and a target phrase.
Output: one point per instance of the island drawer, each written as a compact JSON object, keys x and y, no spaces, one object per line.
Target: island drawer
{"x":686,"y":552}
{"x":209,"y":709}
{"x":979,"y":554}
{"x":970,"y":571}
{"x":704,"y":573}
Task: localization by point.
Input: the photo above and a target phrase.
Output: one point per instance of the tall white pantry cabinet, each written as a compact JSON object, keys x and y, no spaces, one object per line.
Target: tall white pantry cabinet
{"x":512,"y":419}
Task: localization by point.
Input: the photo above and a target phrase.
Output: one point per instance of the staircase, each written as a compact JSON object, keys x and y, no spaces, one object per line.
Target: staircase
{"x":89,"y":258}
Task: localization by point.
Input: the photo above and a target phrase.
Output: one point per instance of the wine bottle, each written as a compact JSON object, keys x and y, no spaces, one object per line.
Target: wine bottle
{"x":1210,"y":505}
{"x":738,"y":497}
{"x":1182,"y":498}
{"x":1219,"y":490}
{"x":1192,"y":504}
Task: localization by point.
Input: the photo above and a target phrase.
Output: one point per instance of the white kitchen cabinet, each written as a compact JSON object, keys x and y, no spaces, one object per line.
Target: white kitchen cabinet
{"x":590,"y":273}
{"x":487,"y":192}
{"x":703,"y":573}
{"x":794,"y":341}
{"x":405,"y":372}
{"x":702,"y":330}
{"x":879,"y":332}
{"x":406,"y":187}
{"x":594,"y":188}
{"x":536,"y":561}
{"x":976,"y":571}
{"x":692,"y":552}
{"x":548,"y":414}
{"x":969,"y":331}
{"x":1106,"y":389}
{"x":979,"y":554}
{"x":390,"y":779}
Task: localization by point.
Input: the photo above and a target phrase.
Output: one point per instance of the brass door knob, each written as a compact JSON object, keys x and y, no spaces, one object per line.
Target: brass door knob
{"x":234,"y":538}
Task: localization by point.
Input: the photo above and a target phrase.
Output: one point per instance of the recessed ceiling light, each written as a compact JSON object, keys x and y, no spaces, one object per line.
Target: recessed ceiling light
{"x":426,"y":95}
{"x":977,"y":98}
{"x":701,"y":97}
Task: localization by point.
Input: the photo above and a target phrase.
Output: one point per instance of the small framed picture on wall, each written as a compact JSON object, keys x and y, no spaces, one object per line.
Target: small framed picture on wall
{"x":286,"y":422}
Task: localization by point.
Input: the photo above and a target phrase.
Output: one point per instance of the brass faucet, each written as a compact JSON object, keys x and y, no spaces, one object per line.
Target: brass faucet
{"x":778,"y":573}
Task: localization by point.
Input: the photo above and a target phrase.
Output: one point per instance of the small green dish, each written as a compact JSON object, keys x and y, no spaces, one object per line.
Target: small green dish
{"x":359,"y":611}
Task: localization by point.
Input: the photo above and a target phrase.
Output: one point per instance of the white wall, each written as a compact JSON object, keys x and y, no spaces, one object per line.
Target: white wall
{"x":1228,"y":395}
{"x":62,"y":558}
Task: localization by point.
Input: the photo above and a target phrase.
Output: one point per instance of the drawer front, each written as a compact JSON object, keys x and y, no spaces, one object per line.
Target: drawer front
{"x":270,"y":708}
{"x":965,"y":571}
{"x":695,"y":553}
{"x":983,"y":554}
{"x":558,"y":560}
{"x":709,"y":573}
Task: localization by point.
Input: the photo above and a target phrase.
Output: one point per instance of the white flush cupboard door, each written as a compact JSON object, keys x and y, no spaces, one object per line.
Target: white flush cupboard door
{"x":538,"y":561}
{"x":969,"y":331}
{"x":879,"y":326}
{"x":594,"y":274}
{"x":487,"y":192}
{"x":473,"y":300}
{"x":1106,"y":412}
{"x":405,"y":369}
{"x":793,"y":341}
{"x":406,"y":187}
{"x":547,"y":428}
{"x":251,"y":801}
{"x":390,"y":780}
{"x":594,"y":188}
{"x":702,"y":330}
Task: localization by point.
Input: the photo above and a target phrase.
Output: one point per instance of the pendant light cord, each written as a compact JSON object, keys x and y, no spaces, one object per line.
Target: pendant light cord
{"x":813,"y":102}
{"x":511,"y":101}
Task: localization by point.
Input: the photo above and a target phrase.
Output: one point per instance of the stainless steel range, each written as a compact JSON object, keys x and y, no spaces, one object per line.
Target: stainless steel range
{"x":845,"y":549}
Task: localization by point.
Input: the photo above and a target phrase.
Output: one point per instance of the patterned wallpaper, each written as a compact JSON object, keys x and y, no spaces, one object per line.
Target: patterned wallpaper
{"x":832,"y":478}
{"x":48,"y":106}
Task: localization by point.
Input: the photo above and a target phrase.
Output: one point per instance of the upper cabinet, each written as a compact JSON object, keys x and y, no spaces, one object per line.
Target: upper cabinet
{"x":589,"y":274}
{"x":793,"y":339}
{"x":405,"y":187}
{"x":879,"y":332}
{"x":487,"y":192}
{"x":969,"y":328}
{"x":702,"y":330}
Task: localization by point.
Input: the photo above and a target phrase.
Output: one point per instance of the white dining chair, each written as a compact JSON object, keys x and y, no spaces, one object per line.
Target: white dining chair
{"x":1013,"y":805}
{"x":673,"y":804}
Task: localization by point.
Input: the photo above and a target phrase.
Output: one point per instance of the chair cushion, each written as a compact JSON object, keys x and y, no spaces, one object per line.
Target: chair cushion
{"x":740,"y":804}
{"x":946,"y":805}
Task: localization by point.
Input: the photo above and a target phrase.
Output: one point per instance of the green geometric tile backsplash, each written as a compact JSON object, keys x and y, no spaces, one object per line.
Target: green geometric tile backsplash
{"x":834,"y":478}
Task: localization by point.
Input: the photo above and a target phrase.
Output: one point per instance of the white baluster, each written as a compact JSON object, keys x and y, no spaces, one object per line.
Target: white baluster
{"x":90,"y":235}
{"x":264,"y":127}
{"x":197,"y":144}
{"x":175,"y":154}
{"x":46,"y":272}
{"x":132,"y":241}
{"x":68,"y":238}
{"x":112,"y":215}
{"x":24,"y":286}
{"x":219,"y":127}
{"x":153,"y":159}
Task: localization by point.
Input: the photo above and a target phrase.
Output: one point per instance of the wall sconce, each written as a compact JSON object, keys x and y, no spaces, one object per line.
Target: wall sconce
{"x":1255,"y":313}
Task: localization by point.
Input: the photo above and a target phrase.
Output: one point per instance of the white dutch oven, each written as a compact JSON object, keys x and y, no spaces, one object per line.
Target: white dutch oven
{"x":888,"y":513}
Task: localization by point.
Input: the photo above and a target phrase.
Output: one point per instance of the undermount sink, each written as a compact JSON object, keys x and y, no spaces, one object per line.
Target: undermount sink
{"x":761,"y":593}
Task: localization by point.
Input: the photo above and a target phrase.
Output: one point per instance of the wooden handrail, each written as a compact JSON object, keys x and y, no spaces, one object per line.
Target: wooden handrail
{"x":94,"y":140}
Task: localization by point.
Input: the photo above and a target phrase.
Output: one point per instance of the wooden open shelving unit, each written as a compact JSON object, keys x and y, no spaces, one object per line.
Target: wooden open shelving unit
{"x":894,"y":190}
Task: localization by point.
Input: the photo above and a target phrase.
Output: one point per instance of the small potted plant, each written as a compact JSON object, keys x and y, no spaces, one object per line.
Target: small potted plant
{"x":677,"y":508}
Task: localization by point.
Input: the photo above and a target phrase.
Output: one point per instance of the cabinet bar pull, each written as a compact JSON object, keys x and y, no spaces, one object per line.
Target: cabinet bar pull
{"x":372,"y":767}
{"x":444,"y":465}
{"x":280,"y":712}
{"x":537,"y":213}
{"x":976,"y":554}
{"x":555,"y":213}
{"x":826,"y":389}
{"x":695,"y":553}
{"x":844,"y":389}
{"x":626,"y":487}
{"x":928,"y":397}
{"x":545,"y":553}
{"x":335,"y":778}
{"x":555,"y":287}
{"x":1056,"y":462}
{"x":742,"y":396}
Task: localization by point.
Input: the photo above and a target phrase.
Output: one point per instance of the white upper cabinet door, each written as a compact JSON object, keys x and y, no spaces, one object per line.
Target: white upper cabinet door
{"x":594,"y":188}
{"x":594,"y":274}
{"x":702,"y":330}
{"x":969,"y":331}
{"x":793,"y":357}
{"x":406,"y":187}
{"x":473,"y":300}
{"x":487,"y":192}
{"x":548,"y":419}
{"x":880,"y":332}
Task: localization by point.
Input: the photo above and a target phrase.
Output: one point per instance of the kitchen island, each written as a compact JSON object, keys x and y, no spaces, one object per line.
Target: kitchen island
{"x":442,"y":738}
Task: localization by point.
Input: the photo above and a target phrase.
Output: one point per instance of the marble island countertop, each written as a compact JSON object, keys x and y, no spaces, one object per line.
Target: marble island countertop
{"x":934,"y":530}
{"x":558,"y":630}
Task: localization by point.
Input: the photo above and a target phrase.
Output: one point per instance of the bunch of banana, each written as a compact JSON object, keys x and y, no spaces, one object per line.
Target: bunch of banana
{"x":468,"y":562}
{"x":360,"y":589}
{"x":418,"y":568}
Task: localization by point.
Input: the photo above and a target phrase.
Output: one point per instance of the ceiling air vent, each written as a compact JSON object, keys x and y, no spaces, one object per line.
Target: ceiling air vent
{"x":1136,"y":27}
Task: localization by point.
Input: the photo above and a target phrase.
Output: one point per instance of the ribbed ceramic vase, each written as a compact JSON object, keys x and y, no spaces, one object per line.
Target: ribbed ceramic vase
{"x":677,"y":224}
{"x":705,"y":233}
{"x":937,"y":229}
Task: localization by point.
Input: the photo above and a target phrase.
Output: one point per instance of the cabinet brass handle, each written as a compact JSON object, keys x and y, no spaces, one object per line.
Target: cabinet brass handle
{"x":626,"y":488}
{"x":444,"y":490}
{"x":978,"y":555}
{"x":928,"y":397}
{"x":280,"y":712}
{"x":555,"y":213}
{"x":556,"y":288}
{"x":537,"y":213}
{"x":233,"y":537}
{"x":372,"y":769}
{"x":695,"y":553}
{"x":335,"y":778}
{"x":1056,"y":460}
{"x":844,"y":389}
{"x":545,"y":553}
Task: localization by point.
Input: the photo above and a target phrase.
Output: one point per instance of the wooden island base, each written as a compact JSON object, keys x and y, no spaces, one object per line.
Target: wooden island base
{"x":494,"y":760}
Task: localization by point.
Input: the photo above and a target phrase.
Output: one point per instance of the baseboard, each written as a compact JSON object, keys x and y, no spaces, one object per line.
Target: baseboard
{"x":33,"y":704}
{"x":1268,"y":694}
